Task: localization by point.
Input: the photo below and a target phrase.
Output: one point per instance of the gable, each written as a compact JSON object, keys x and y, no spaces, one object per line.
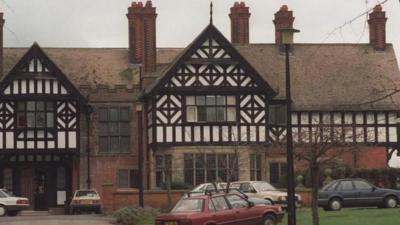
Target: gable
{"x":209,"y":63}
{"x":36,"y":74}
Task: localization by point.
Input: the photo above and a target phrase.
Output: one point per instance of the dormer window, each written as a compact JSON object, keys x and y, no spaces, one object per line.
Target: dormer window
{"x":35,"y":114}
{"x":211,"y":108}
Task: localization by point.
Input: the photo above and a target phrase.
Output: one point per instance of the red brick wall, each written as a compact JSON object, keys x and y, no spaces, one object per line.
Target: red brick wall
{"x":114,"y":200}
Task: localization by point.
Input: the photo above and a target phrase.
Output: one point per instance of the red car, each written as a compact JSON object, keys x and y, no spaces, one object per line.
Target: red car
{"x":220,"y":208}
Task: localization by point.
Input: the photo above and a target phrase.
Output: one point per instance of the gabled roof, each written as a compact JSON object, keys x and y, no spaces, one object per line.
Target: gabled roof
{"x":191,"y":52}
{"x":37,"y":56}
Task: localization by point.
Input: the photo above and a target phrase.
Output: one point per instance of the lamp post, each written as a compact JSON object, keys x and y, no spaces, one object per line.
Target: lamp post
{"x":287,"y":40}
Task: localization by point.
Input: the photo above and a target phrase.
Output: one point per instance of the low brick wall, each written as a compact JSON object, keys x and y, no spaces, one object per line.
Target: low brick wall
{"x":114,"y":200}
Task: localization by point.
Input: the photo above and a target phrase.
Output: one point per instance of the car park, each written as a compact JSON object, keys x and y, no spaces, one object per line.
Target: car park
{"x":264,"y":190}
{"x":356,"y":193}
{"x":10,"y":204}
{"x":86,"y":201}
{"x":220,"y":208}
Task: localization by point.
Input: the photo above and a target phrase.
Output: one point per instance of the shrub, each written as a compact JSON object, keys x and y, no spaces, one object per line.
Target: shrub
{"x":134,"y":215}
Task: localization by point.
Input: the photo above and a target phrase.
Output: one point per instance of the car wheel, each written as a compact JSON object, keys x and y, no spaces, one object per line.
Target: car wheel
{"x":390,"y":202}
{"x":269,"y":220}
{"x":12,"y":213}
{"x":3,"y":210}
{"x":335,"y":204}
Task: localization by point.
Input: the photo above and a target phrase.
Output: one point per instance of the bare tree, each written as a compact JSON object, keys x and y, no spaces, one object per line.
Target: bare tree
{"x":324,"y":145}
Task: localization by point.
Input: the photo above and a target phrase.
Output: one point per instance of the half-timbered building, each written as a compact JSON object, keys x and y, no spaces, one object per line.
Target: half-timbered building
{"x":76,"y":118}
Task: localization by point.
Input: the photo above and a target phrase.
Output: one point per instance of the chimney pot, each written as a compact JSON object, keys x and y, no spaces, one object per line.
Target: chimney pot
{"x":378,"y":8}
{"x":236,"y":4}
{"x":284,"y":8}
{"x":242,"y":4}
{"x":149,"y":4}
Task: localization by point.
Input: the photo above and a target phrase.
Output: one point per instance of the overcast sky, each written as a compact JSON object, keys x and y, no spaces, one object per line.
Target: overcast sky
{"x":102,"y":23}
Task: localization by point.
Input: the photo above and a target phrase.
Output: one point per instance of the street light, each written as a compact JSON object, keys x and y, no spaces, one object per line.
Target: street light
{"x":287,"y":40}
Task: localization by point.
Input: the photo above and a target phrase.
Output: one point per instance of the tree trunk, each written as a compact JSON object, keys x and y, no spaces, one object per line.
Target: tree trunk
{"x":314,"y":192}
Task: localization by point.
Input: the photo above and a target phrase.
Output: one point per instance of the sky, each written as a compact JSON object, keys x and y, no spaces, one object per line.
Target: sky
{"x":103,"y":23}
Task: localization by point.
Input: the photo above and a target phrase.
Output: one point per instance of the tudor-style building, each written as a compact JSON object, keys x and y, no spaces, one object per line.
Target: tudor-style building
{"x":69,"y":117}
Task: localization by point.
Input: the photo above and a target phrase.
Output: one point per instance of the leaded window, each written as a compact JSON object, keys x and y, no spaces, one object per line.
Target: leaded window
{"x":255,"y":167}
{"x":203,"y":168}
{"x":35,"y":114}
{"x":163,"y":169}
{"x":128,"y":178}
{"x":210,"y":108}
{"x":277,"y":172}
{"x":114,"y":129}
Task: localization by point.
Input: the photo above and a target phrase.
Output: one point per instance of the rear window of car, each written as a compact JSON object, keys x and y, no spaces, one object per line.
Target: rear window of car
{"x":188,"y":205}
{"x":330,"y":187}
{"x":86,"y":194}
{"x":220,"y":203}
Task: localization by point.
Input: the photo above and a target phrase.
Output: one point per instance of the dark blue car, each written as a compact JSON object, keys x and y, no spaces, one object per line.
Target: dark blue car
{"x":356,"y":193}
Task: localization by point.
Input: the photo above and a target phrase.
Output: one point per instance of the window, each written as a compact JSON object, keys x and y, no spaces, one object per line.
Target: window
{"x":210,"y":108}
{"x":236,"y":201}
{"x":255,"y":167}
{"x":203,"y":168}
{"x":2,"y":195}
{"x":33,"y":114}
{"x":220,"y":203}
{"x":114,"y":130}
{"x":361,"y":185}
{"x":163,"y":169}
{"x":277,"y":115}
{"x":128,"y":178}
{"x":277,"y":172}
{"x":345,"y":186}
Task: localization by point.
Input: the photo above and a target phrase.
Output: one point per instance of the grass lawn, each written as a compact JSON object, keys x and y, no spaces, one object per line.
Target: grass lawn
{"x":356,"y":216}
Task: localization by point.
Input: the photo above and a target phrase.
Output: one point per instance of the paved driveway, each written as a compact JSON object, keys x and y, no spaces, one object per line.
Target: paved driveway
{"x":56,"y":220}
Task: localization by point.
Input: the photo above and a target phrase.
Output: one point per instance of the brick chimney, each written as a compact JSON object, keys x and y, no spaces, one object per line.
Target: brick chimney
{"x":142,"y":35}
{"x":135,"y":32}
{"x":1,"y":44}
{"x":377,"y":28}
{"x":283,"y":19}
{"x":240,"y":23}
{"x":150,"y":47}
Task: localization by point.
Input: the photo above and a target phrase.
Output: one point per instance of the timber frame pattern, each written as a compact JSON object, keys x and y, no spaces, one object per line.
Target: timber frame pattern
{"x":35,"y":81}
{"x":210,"y":65}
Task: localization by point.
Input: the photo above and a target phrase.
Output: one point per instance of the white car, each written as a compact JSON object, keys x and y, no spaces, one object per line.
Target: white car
{"x":262,"y":189}
{"x":208,"y":187}
{"x":86,"y":200}
{"x":10,"y":204}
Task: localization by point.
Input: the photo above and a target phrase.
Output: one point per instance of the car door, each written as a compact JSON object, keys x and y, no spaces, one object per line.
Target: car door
{"x":244,"y":214}
{"x":368,"y":195}
{"x":346,"y":190}
{"x":222,"y":213}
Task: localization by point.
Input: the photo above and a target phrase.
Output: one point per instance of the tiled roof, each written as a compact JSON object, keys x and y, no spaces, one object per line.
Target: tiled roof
{"x":324,"y":77}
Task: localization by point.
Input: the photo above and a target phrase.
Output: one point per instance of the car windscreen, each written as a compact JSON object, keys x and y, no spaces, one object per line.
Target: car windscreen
{"x":188,"y":205}
{"x":8,"y":193}
{"x":86,"y":194}
{"x":263,"y":186}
